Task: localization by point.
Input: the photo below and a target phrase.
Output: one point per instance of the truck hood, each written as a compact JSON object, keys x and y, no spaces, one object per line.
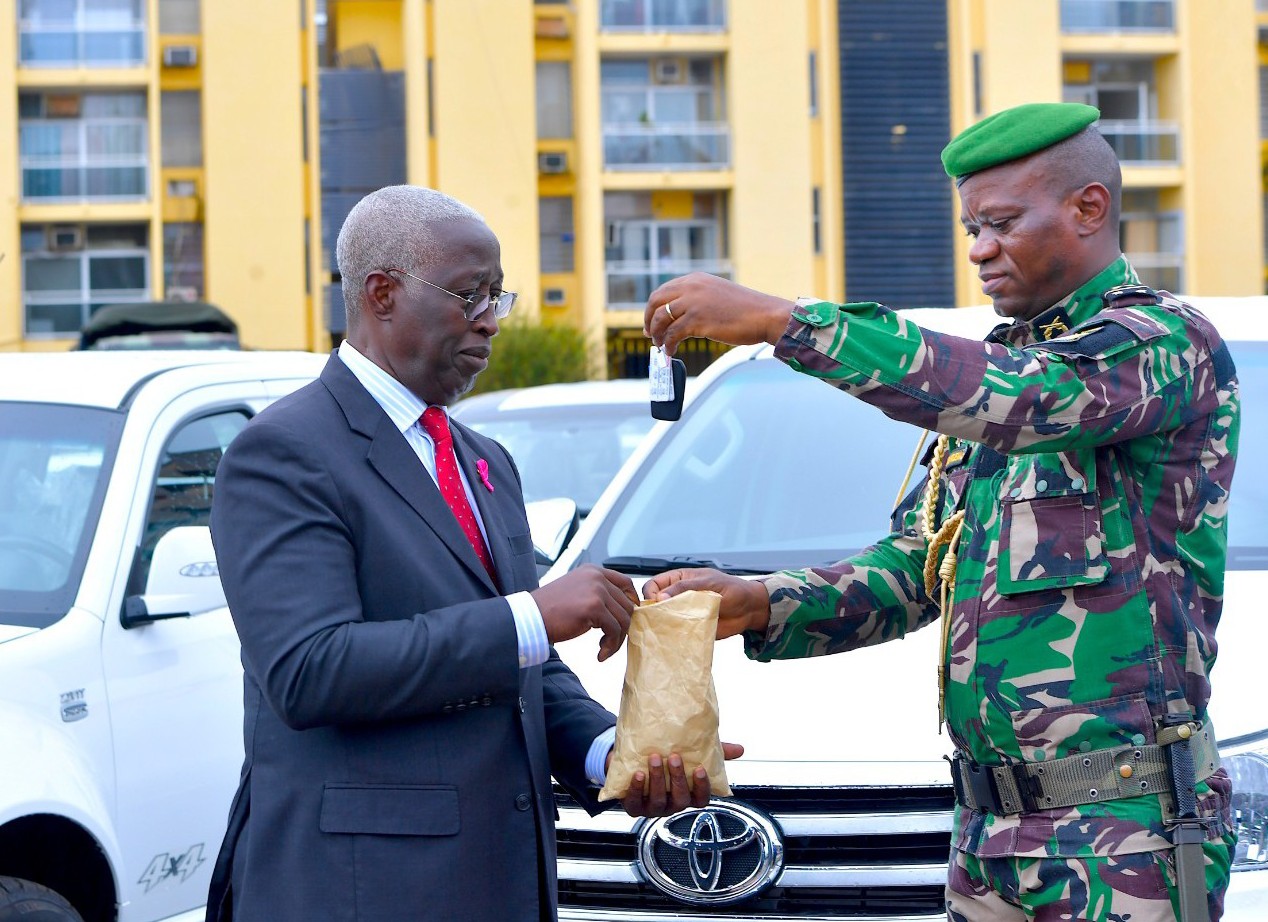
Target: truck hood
{"x":13,"y":631}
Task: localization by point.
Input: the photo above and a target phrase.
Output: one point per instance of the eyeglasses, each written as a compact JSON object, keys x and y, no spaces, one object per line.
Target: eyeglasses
{"x":476,"y":303}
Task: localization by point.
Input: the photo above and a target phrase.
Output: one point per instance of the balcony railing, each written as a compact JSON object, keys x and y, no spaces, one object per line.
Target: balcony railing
{"x":630,"y":283}
{"x":1118,"y":15}
{"x":1143,"y":142}
{"x":1159,"y":270}
{"x":672,"y":146}
{"x":77,"y":159}
{"x":52,"y":46}
{"x":662,"y":15}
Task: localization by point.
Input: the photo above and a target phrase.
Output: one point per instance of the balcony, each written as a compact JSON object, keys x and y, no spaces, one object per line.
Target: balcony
{"x":110,"y":36}
{"x":662,"y":15}
{"x":672,"y":146}
{"x":1143,"y":142}
{"x":93,"y":159}
{"x":631,"y":282}
{"x":1118,"y":15}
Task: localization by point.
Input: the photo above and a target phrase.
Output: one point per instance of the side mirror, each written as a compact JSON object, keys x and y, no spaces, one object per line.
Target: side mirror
{"x":184,"y":579}
{"x":552,"y":523}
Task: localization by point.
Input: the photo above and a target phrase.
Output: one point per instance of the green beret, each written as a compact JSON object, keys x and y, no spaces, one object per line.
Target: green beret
{"x":1014,"y":133}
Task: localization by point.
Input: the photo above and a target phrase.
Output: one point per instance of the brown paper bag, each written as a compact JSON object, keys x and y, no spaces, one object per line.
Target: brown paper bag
{"x":668,"y":703}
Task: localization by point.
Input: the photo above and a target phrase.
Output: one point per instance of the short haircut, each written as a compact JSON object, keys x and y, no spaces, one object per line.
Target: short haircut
{"x":396,"y":227}
{"x":1086,"y":157}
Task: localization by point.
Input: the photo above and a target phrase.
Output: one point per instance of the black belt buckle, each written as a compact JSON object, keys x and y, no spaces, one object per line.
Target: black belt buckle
{"x":980,"y":781}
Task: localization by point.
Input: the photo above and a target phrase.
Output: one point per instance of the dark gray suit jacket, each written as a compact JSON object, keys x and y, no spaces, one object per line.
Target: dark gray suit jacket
{"x":398,"y":760}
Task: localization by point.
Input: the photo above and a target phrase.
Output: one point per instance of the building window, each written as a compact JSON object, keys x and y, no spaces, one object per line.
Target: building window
{"x":183,"y":262}
{"x":1118,"y":15}
{"x":555,"y":221}
{"x":554,"y":99}
{"x":816,"y":219}
{"x":82,"y":146}
{"x":81,"y":33}
{"x":180,"y":17}
{"x":70,"y":270}
{"x":181,"y":124}
{"x":814,"y":83}
{"x":1263,"y":103}
{"x":645,"y":248}
{"x":1126,"y":93}
{"x":664,"y":114}
{"x":1153,"y":240}
{"x":662,"y":15}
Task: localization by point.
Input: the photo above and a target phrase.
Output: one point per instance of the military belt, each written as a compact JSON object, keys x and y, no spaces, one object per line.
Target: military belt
{"x":1086,"y":778}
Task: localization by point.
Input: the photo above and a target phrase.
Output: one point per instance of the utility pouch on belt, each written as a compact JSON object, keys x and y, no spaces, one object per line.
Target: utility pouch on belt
{"x":1085,"y":778}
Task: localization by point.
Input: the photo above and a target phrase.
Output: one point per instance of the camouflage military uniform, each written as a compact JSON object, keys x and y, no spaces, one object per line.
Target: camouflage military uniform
{"x":1091,"y":450}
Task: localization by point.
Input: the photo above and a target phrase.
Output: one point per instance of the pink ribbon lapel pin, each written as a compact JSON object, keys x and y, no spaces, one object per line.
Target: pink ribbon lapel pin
{"x":482,"y":468}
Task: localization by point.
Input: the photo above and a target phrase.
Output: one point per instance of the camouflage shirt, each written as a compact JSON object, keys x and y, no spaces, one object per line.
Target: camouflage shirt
{"x":1092,"y":450}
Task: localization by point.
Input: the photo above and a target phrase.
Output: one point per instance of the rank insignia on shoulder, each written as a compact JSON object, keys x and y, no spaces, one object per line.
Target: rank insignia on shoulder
{"x":1075,"y":335}
{"x":1129,"y":295}
{"x":1054,"y":328}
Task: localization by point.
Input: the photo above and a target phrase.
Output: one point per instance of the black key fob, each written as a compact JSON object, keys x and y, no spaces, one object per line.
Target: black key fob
{"x":672,"y":409}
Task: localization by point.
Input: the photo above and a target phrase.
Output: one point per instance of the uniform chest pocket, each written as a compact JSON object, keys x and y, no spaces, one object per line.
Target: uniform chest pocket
{"x":1051,"y":535}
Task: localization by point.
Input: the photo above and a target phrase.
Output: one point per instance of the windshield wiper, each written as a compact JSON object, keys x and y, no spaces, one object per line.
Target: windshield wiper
{"x":641,"y":565}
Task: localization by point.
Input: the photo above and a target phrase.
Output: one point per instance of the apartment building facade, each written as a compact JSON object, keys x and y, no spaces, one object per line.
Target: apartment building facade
{"x":172,"y":149}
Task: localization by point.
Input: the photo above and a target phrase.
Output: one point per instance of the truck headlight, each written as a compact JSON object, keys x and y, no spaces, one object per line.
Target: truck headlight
{"x":1246,"y":760}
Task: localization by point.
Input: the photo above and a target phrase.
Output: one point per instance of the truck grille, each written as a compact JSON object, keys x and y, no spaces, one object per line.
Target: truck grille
{"x":859,"y":853}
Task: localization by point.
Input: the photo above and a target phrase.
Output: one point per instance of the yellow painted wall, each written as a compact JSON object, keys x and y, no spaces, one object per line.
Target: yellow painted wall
{"x":588,"y":201}
{"x":1020,"y":52}
{"x":11,"y":264}
{"x":486,"y":127}
{"x":252,"y":152}
{"x":415,"y":37}
{"x":768,"y":99}
{"x":826,"y":134}
{"x":369,"y":22}
{"x":1223,"y":203}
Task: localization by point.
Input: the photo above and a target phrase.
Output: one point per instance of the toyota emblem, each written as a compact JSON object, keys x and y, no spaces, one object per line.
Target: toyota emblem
{"x":721,"y":853}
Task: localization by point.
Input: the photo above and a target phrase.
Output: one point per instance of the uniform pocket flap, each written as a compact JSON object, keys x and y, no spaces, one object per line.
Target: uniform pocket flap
{"x":390,"y":809}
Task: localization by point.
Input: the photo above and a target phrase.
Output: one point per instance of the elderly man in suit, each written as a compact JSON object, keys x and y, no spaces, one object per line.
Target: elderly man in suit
{"x":405,"y":708}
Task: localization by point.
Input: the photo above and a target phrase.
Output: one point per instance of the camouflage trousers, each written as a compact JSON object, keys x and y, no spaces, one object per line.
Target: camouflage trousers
{"x":1139,"y":887}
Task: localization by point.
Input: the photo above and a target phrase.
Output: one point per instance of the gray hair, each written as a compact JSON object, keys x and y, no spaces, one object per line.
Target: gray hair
{"x":395,"y":227}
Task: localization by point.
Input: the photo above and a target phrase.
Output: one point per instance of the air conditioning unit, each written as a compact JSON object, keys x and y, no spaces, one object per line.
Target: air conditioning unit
{"x":552,"y":161}
{"x":554,"y":297}
{"x":180,"y":56}
{"x":669,"y":70}
{"x":63,"y":237}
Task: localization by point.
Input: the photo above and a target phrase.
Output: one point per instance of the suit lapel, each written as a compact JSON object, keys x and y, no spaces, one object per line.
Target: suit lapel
{"x":490,"y":504}
{"x":394,"y":460}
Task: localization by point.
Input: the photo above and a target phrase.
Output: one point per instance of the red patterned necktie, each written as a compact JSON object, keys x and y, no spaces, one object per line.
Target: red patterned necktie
{"x":436,"y":424}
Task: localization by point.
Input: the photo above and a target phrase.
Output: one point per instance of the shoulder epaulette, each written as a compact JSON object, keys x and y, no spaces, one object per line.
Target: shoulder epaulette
{"x":1130,"y":296}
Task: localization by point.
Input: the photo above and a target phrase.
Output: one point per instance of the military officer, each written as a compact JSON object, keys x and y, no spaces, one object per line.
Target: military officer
{"x":1069,"y":535}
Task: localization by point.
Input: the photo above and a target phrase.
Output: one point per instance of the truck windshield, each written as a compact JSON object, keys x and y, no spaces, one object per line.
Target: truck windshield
{"x":776,"y":470}
{"x":54,"y":465}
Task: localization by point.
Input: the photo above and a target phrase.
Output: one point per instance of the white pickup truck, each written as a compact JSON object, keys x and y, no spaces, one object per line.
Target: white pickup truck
{"x":120,"y":684}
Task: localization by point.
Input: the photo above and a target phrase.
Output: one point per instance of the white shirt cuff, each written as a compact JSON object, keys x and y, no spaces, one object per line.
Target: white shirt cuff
{"x":534,"y":647}
{"x":597,"y":757}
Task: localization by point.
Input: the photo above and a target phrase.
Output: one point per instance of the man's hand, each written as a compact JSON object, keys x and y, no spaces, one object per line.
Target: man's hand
{"x":745,"y":604}
{"x":588,"y":597}
{"x":661,"y":798}
{"x":715,"y":308}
